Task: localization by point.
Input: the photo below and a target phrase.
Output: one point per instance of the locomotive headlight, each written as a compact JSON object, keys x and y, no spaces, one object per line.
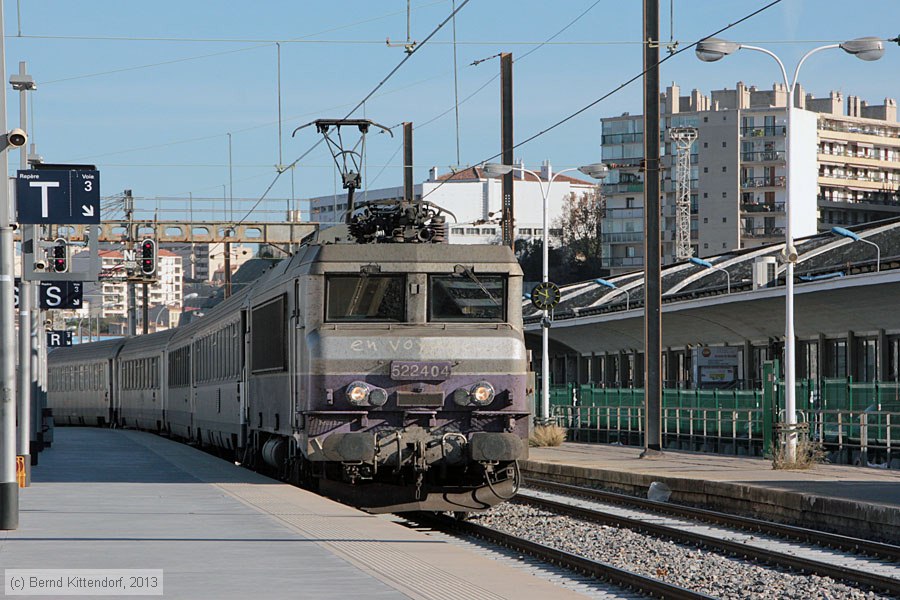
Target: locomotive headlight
{"x":357,"y":393}
{"x":482,"y":393}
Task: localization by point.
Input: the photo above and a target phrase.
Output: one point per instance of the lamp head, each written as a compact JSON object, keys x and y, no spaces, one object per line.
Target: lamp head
{"x":712,"y":49}
{"x":605,"y":283}
{"x":865,"y":48}
{"x":595,"y":170}
{"x":496,"y":169}
{"x":700,"y":262}
{"x":845,"y":233}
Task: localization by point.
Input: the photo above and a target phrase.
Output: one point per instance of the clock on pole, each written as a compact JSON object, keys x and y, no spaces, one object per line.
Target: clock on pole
{"x":545,"y":295}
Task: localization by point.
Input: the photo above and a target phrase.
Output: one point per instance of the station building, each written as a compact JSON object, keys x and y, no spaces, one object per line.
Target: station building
{"x":846,"y":321}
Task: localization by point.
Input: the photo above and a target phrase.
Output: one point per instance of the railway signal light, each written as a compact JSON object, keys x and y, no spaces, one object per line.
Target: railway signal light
{"x":60,"y":256}
{"x":148,"y":257}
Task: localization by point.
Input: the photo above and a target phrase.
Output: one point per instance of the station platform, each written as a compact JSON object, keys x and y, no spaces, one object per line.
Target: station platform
{"x":854,"y":501}
{"x":118,"y":499}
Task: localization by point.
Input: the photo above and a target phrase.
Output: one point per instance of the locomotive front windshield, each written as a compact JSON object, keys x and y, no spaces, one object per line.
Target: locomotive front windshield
{"x":461,"y":298}
{"x":366,"y":298}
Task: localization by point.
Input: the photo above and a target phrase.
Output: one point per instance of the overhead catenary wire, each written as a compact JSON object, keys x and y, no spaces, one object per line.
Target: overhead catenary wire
{"x":361,"y":103}
{"x":617,"y":89}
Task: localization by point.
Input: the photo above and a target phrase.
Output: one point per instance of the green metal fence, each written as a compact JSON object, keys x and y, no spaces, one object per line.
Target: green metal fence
{"x":855,"y":422}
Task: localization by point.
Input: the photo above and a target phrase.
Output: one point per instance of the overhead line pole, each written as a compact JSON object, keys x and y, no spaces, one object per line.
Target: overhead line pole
{"x":408,"y":193}
{"x":9,"y":490}
{"x":652,"y":282}
{"x":506,"y":147}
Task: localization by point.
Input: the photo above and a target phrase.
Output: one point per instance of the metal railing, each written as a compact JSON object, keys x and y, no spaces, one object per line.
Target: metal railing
{"x":763,"y":156}
{"x":755,"y":182}
{"x":764,"y":131}
{"x":852,"y":423}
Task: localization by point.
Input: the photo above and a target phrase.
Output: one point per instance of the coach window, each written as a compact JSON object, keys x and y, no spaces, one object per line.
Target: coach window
{"x":467,"y":297}
{"x":363,"y":297}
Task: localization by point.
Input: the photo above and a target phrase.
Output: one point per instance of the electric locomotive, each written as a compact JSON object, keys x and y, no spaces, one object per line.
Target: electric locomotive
{"x":384,"y":368}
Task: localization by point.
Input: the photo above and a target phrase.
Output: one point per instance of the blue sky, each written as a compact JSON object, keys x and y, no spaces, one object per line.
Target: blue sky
{"x":161,"y":130}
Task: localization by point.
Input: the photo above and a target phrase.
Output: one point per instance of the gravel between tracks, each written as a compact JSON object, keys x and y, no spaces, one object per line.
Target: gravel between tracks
{"x":687,"y":566}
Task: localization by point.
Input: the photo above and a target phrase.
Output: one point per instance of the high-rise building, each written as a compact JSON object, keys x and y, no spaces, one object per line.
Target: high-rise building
{"x":845,"y":170}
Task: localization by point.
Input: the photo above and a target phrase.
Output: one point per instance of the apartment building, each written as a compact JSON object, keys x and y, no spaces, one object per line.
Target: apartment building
{"x":845,"y":169}
{"x":168,"y":290}
{"x":476,"y":201}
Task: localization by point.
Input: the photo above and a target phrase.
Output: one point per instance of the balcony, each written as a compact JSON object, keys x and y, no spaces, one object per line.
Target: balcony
{"x":758,"y":182}
{"x":763,"y":156}
{"x":624,"y":213}
{"x":623,"y":261}
{"x":763,"y":232}
{"x":766,"y":131}
{"x":622,"y":188}
{"x":622,"y":138}
{"x":762,"y":207}
{"x":622,"y":237}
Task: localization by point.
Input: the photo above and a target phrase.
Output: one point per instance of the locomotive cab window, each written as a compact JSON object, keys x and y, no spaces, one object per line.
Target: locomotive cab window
{"x":365,"y":298}
{"x":467,"y":297}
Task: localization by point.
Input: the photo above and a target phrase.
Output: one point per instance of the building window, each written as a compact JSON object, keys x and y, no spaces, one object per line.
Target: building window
{"x":724,"y":169}
{"x":629,"y":251}
{"x":724,"y":194}
{"x":706,"y":194}
{"x":525,"y":231}
{"x":706,"y":169}
{"x":629,"y":202}
{"x":705,"y":246}
{"x":724,"y":144}
{"x":706,"y":119}
{"x":706,"y":144}
{"x":706,"y":219}
{"x":724,"y":219}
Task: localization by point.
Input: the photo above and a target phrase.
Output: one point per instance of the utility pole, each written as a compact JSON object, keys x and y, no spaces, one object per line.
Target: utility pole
{"x":652,"y":282}
{"x":145,"y":313}
{"x":508,"y":220}
{"x":132,"y":236}
{"x":9,"y":489}
{"x":23,"y":83}
{"x":408,"y":193}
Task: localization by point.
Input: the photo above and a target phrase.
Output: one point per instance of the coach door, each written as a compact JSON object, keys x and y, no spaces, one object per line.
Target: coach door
{"x":109,"y":392}
{"x":242,"y":382}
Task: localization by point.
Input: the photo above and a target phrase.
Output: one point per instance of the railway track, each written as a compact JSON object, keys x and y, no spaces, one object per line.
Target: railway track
{"x":644,"y":515}
{"x":599,"y":570}
{"x":810,"y":536}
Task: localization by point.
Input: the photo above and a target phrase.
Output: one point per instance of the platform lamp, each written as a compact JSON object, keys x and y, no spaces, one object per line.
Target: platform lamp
{"x":597,"y":171}
{"x":856,"y":238}
{"x":613,"y":286}
{"x":712,"y":49}
{"x":708,"y":265}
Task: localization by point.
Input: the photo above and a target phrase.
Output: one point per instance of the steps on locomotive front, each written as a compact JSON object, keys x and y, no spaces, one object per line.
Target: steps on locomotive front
{"x":122,"y":499}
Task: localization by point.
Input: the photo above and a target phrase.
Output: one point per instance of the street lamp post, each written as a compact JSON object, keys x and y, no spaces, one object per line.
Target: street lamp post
{"x":713,"y":49}
{"x":595,"y":171}
{"x":856,"y":238}
{"x":708,"y":265}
